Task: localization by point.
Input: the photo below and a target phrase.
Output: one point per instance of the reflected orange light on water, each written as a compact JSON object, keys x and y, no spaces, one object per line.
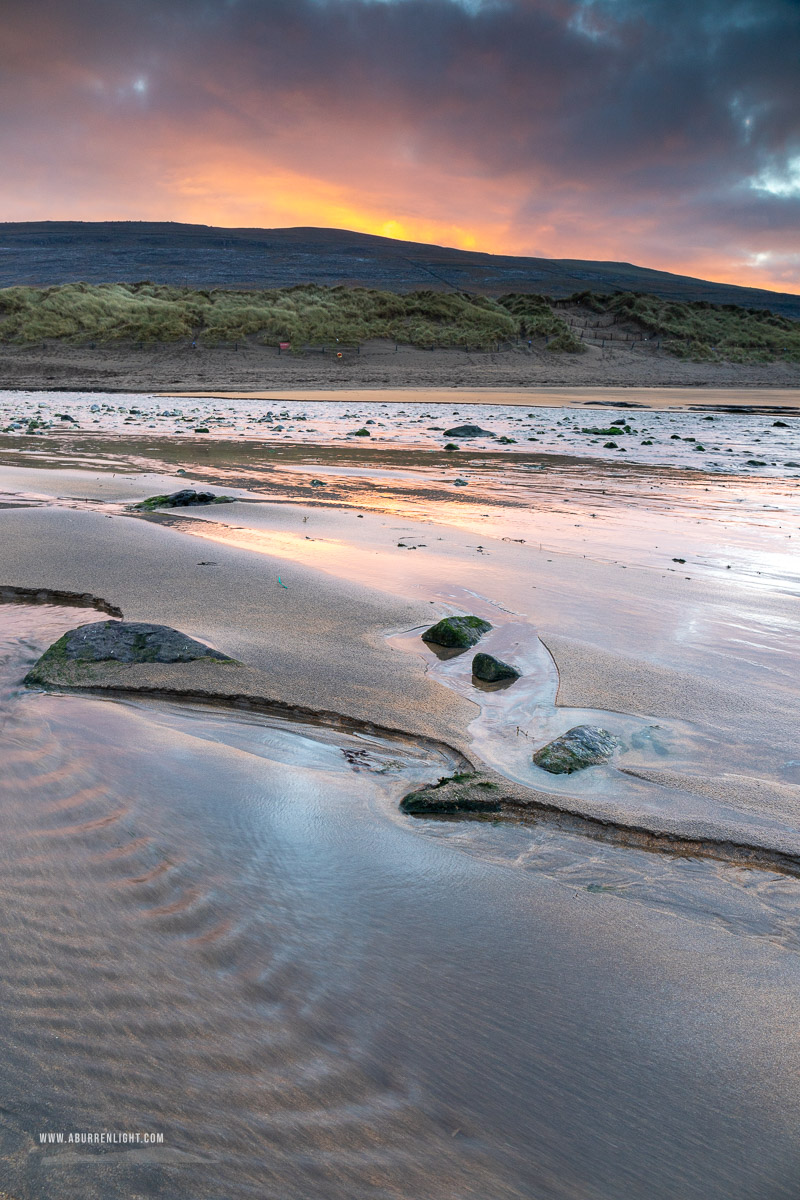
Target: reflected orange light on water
{"x":387,"y":569}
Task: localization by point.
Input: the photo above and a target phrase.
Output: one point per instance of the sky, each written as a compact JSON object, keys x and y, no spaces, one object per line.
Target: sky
{"x":660,"y":132}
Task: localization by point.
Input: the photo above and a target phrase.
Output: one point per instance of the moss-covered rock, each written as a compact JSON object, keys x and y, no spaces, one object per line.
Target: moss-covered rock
{"x":582,"y":746}
{"x":116,"y":641}
{"x":492,"y":670}
{"x":185,"y":498}
{"x":456,"y":632}
{"x":465,"y":792}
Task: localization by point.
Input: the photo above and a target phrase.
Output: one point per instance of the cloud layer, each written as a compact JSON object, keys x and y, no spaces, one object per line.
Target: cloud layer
{"x":657,"y":131}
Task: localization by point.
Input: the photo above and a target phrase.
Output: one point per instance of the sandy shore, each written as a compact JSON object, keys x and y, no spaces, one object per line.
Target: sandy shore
{"x":308,"y":596}
{"x":226,"y":931}
{"x":176,"y":367}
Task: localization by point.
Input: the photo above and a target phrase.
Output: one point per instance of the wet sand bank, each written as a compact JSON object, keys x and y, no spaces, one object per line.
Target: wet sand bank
{"x":658,"y":397}
{"x":308,"y":597}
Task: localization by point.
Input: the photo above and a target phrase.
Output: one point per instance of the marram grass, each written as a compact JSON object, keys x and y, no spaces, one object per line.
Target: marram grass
{"x":304,"y":316}
{"x":310,"y":315}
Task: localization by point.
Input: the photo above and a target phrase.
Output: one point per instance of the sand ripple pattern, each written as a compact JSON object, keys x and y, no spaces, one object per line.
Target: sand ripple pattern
{"x":167,"y":965}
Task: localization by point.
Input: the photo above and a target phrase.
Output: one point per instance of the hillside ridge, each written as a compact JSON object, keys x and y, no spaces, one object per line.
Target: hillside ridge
{"x":44,"y":253}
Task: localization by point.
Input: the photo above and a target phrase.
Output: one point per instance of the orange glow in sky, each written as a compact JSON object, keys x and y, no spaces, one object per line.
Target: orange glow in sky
{"x":640,"y":132}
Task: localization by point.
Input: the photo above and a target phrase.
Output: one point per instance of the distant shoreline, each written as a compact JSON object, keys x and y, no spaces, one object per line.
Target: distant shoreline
{"x":754,"y":399}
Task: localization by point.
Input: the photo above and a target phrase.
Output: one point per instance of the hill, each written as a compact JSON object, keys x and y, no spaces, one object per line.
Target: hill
{"x":44,"y":253}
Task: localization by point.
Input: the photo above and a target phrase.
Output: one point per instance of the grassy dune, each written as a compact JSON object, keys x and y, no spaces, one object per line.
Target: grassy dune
{"x":308,"y":315}
{"x":702,"y":331}
{"x":311,"y":315}
{"x":305,"y":316}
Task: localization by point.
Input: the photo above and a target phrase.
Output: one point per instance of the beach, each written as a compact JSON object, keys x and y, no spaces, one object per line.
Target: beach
{"x":253,"y":366}
{"x":590,"y":992}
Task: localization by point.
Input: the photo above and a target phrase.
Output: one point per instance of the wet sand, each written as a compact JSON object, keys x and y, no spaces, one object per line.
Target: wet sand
{"x":308,"y":596}
{"x":219,"y":929}
{"x":440,"y":1009}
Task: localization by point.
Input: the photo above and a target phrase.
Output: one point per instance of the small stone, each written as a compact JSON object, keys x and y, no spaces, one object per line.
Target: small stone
{"x":456,"y":632}
{"x":582,"y":746}
{"x":491,"y":669}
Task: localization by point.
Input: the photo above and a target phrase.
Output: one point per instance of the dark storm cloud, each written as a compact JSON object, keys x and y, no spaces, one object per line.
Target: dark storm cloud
{"x":621,"y":110}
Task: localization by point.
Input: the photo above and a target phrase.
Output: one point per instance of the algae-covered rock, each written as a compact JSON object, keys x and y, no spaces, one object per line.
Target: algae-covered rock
{"x":456,"y":632}
{"x":116,"y":641}
{"x":464,"y":792}
{"x":582,"y":746}
{"x":468,"y":431}
{"x":185,"y":498}
{"x":491,"y":669}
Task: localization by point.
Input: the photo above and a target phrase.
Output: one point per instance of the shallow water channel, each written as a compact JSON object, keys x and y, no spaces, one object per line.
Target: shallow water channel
{"x":219,"y":927}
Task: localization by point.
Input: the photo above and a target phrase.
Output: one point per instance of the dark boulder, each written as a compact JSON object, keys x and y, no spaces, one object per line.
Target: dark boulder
{"x":456,"y":632}
{"x":491,"y":669}
{"x":468,"y":431}
{"x":119,"y":641}
{"x":582,"y":746}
